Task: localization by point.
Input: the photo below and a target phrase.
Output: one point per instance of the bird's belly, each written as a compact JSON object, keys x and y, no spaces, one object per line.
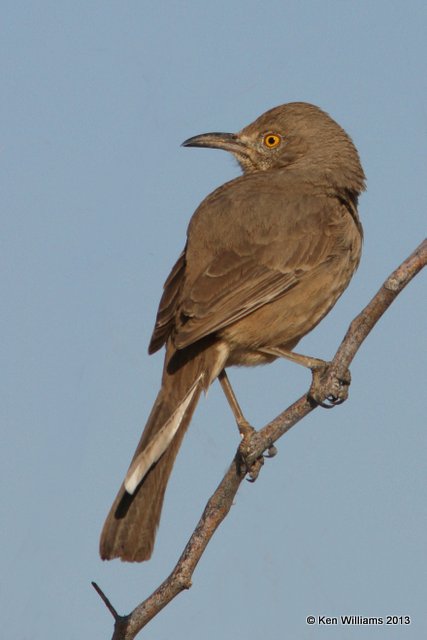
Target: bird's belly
{"x":285,"y":320}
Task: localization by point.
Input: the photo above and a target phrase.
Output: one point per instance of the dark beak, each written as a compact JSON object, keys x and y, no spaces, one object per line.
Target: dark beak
{"x":226,"y":141}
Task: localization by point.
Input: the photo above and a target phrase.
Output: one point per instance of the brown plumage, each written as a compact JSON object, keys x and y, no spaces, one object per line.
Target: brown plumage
{"x":267,"y":256}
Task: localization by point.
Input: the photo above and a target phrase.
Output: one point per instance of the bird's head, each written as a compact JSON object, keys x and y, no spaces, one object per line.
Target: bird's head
{"x":297,"y":135}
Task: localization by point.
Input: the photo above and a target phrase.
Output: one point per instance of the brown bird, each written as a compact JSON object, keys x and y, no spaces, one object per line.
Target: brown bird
{"x":267,"y":256}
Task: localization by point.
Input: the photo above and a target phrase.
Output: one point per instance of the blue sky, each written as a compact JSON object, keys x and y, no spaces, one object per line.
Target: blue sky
{"x":96,"y":196}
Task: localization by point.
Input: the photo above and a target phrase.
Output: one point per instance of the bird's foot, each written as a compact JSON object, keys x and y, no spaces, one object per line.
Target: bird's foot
{"x":245,"y":429}
{"x":327,"y":388}
{"x":248,"y":464}
{"x":251,"y":467}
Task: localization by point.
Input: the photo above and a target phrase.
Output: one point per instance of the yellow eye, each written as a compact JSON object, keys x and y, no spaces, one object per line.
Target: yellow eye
{"x":272,"y":140}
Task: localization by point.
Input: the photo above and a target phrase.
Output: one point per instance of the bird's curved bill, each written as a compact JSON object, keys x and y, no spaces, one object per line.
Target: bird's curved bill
{"x":226,"y":141}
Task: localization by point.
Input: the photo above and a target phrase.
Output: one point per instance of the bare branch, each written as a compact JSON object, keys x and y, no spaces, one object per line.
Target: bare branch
{"x":218,"y":506}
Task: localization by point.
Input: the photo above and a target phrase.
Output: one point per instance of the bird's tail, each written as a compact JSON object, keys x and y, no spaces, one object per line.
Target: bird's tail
{"x":130,"y":528}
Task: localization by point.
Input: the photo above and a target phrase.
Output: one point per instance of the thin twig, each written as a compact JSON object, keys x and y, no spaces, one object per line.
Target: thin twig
{"x":106,"y":601}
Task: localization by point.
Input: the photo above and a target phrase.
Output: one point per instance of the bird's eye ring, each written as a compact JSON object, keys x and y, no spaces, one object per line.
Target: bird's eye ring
{"x":272,"y":140}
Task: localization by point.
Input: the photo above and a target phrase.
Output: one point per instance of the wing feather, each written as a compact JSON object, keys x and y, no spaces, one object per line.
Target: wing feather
{"x":249,"y":242}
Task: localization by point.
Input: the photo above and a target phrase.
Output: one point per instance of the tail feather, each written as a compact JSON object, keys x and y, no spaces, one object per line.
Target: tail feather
{"x":160,"y":442}
{"x":130,"y":528}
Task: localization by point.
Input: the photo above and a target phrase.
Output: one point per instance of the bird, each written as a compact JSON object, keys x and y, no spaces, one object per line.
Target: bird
{"x":267,"y":256}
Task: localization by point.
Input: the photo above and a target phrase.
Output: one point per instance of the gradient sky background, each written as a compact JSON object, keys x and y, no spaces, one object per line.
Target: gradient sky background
{"x":96,"y":196}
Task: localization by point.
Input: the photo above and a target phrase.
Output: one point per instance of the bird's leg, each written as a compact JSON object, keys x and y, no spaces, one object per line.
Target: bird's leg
{"x":305,"y":361}
{"x":245,"y":429}
{"x":327,"y":389}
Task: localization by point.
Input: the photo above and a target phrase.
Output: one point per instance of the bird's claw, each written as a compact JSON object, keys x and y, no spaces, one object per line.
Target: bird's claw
{"x":271,"y":452}
{"x":253,"y":467}
{"x":327,"y":389}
